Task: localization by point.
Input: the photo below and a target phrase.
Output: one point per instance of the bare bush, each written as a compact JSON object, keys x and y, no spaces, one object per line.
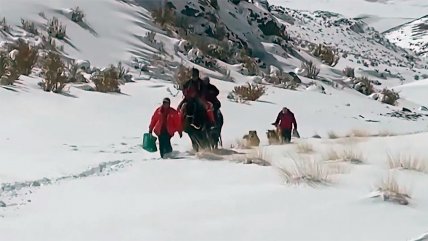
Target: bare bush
{"x":249,"y":63}
{"x":182,"y":75}
{"x":8,"y":70}
{"x":56,"y":29}
{"x":249,"y":92}
{"x":349,"y":72}
{"x":363,"y":85}
{"x":389,"y":97}
{"x":75,"y":73}
{"x":310,"y":172}
{"x":326,"y":54}
{"x":282,"y":79}
{"x":107,"y":80}
{"x":25,"y":58}
{"x":77,"y":15}
{"x":54,"y":73}
{"x":122,"y":71}
{"x":389,"y":190}
{"x":311,"y":69}
{"x":305,"y":148}
{"x":29,"y":26}
{"x":358,"y":133}
{"x":407,"y":162}
{"x":164,"y":15}
{"x":4,"y":26}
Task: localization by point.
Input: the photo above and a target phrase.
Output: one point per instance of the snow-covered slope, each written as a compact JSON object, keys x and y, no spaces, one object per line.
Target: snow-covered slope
{"x":415,"y":92}
{"x":412,"y":35}
{"x":72,"y":166}
{"x":382,"y":15}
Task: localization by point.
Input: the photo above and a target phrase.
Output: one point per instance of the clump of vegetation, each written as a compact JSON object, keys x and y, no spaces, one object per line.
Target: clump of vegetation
{"x":389,"y":190}
{"x":77,"y":15}
{"x":4,"y":26}
{"x":107,"y":80}
{"x":182,"y":75}
{"x":249,"y":92}
{"x":29,"y":26}
{"x":56,"y":29}
{"x":53,"y":70}
{"x":164,"y":15}
{"x":389,"y":97}
{"x":24,"y":56}
{"x":326,"y":54}
{"x":311,"y":69}
{"x":349,"y":72}
{"x":363,"y":85}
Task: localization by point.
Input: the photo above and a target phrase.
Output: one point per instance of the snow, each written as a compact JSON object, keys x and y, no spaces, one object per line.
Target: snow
{"x":72,"y":166}
{"x":415,"y":92}
{"x":383,"y":15}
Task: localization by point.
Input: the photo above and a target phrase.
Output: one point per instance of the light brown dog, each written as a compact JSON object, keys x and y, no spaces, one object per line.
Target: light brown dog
{"x":251,"y":139}
{"x":274,"y":137}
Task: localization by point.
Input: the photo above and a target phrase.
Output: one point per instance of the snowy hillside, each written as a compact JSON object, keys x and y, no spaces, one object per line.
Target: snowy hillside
{"x":383,"y":15}
{"x":412,"y":35}
{"x":72,"y":166}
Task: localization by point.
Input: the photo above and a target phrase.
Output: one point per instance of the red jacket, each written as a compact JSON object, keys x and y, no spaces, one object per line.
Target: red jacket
{"x":192,"y":89}
{"x":173,"y":121}
{"x":286,"y":121}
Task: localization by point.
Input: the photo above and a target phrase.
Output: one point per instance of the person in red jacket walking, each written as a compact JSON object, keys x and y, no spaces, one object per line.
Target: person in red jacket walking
{"x":165,"y":122}
{"x":285,"y":122}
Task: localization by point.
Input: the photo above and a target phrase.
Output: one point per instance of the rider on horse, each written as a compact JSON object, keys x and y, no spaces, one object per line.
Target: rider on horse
{"x":209,"y":94}
{"x":194,"y":89}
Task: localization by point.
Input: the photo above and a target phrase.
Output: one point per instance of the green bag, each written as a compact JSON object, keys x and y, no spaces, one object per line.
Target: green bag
{"x":149,"y":142}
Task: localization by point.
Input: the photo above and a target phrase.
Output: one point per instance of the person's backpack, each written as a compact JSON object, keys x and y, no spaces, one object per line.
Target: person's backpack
{"x":149,"y":142}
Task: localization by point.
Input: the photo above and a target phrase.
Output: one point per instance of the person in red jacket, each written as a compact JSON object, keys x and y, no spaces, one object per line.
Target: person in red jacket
{"x":165,"y":122}
{"x":193,"y":89}
{"x":285,"y":122}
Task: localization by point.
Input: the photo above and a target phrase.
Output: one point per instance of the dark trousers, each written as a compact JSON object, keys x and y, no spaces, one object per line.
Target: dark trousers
{"x":286,"y":135}
{"x":164,"y":143}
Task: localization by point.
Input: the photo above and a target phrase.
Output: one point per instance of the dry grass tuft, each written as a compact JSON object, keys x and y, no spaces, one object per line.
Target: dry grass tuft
{"x":304,"y":171}
{"x":348,"y":155}
{"x":305,"y":148}
{"x":359,"y":133}
{"x":389,"y":190}
{"x":408,"y":162}
{"x":385,"y":133}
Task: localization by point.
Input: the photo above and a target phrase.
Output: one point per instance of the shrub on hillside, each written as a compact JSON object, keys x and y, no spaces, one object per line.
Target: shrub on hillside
{"x":53,"y":71}
{"x":56,"y":29}
{"x":182,"y":75}
{"x":311,"y":69}
{"x":29,"y":26}
{"x":77,"y":15}
{"x":349,"y":72}
{"x":107,"y":80}
{"x":24,"y":57}
{"x":326,"y":54}
{"x":4,"y":26}
{"x":389,"y":97}
{"x":249,"y":92}
{"x":8,"y":71}
{"x":250,"y":65}
{"x":164,"y":15}
{"x":284,"y":80}
{"x":363,"y":85}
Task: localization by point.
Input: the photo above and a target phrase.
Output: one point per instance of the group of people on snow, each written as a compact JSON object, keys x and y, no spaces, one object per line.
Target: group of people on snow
{"x":166,"y":120}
